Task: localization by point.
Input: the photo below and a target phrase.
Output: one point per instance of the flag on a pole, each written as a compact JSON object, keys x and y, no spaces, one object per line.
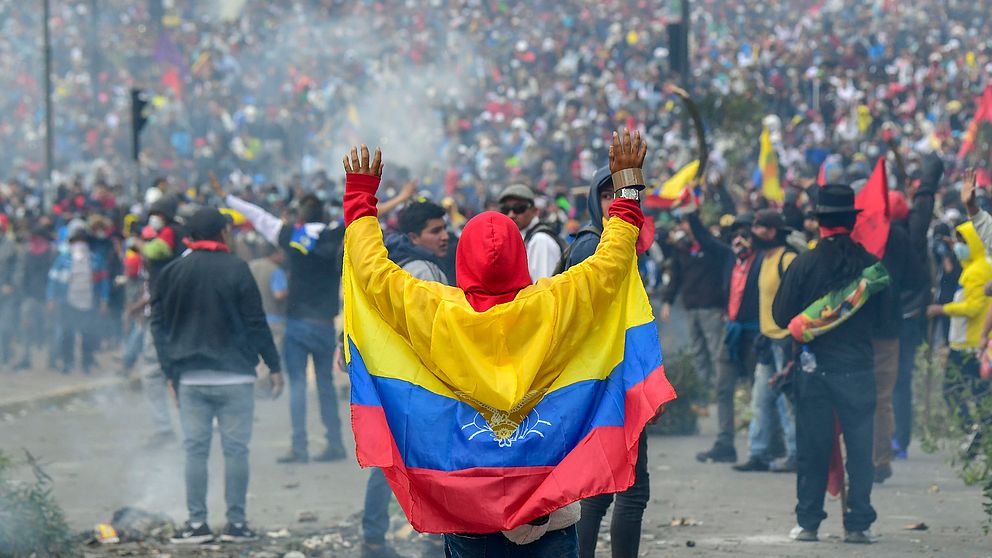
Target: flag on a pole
{"x":874,"y":221}
{"x":983,"y":113}
{"x":767,"y":176}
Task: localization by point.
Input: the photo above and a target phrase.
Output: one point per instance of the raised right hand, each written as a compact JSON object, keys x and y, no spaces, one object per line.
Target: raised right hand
{"x":627,"y":152}
{"x":355,"y":164}
{"x":968,"y":193}
{"x":215,"y":184}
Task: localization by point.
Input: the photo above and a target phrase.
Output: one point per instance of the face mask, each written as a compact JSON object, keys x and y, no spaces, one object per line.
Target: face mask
{"x":961,"y":251}
{"x":156,"y":222}
{"x":78,"y":250}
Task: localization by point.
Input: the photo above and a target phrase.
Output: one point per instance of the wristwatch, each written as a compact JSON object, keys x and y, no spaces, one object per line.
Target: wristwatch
{"x":628,"y":193}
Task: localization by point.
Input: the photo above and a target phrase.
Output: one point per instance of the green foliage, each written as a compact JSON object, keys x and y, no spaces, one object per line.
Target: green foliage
{"x":969,"y":443}
{"x":680,"y":418}
{"x":31,"y":522}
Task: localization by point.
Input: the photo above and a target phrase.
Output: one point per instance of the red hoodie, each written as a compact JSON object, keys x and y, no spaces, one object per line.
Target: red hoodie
{"x":491,"y":261}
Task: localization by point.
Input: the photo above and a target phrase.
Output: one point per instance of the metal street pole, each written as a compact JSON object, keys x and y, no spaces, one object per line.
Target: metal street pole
{"x":49,"y":138}
{"x":684,"y":63}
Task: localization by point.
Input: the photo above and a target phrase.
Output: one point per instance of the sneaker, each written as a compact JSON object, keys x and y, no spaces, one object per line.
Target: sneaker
{"x":718,"y":454}
{"x":803,"y":535}
{"x":380,"y":550}
{"x":191,"y":533}
{"x":237,"y":532}
{"x":332,"y":453}
{"x":294,"y":457}
{"x":857,"y":537}
{"x":751,"y":465}
{"x":787,"y":465}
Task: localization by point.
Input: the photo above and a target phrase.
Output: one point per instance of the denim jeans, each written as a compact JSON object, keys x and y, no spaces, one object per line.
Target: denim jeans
{"x":78,"y":322}
{"x":234,"y":407}
{"x":767,"y":404}
{"x":133,"y":343}
{"x":562,"y":543}
{"x":913,"y":331}
{"x":316,"y":340}
{"x":628,"y":511}
{"x":375,"y":518}
{"x":156,"y":388}
{"x":851,"y":397}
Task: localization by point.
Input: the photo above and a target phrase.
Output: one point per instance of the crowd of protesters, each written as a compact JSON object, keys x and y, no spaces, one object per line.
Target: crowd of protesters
{"x":524,"y":98}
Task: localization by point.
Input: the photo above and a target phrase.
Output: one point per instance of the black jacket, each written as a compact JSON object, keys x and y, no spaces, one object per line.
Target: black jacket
{"x":314,"y":276}
{"x":908,"y":274}
{"x":207,"y":315}
{"x":749,"y":310}
{"x":701,"y":277}
{"x":847,"y":348}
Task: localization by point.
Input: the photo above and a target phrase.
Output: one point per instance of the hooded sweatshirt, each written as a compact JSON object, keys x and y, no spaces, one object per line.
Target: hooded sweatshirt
{"x":970,"y":302}
{"x":587,"y":239}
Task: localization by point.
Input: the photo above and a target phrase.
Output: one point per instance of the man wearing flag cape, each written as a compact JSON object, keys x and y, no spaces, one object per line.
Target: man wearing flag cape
{"x":830,"y":298}
{"x":494,"y":405}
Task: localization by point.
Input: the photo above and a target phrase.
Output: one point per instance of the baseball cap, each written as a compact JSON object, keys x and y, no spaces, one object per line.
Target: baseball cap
{"x":518,"y":191}
{"x":207,"y":223}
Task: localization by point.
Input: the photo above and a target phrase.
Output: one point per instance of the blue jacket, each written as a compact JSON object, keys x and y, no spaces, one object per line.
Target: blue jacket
{"x":58,"y":276}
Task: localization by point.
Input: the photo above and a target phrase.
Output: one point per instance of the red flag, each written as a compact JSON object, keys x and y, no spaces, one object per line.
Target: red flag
{"x":982,"y":114}
{"x":821,"y":179}
{"x":872,"y":227}
{"x":835,"y":474}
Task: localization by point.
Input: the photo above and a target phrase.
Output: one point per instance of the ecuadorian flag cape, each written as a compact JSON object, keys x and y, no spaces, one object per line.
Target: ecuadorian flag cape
{"x":483,"y":421}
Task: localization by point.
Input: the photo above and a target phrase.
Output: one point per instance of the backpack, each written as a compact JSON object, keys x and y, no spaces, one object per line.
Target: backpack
{"x":589,"y":228}
{"x":548,"y":230}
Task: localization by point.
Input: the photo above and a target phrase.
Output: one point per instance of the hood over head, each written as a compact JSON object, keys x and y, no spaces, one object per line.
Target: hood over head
{"x":602,"y":178}
{"x":974,"y":242}
{"x":491,"y":261}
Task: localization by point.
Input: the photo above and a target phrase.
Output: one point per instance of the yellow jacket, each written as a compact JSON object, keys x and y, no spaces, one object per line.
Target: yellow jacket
{"x":769,"y":280}
{"x":971,"y":302}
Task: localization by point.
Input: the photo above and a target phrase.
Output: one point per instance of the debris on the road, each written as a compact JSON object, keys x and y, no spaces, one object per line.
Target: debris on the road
{"x":916,"y":526}
{"x":685,"y":522}
{"x":690,"y":543}
{"x":106,"y":534}
{"x":934,"y":489}
{"x":306,"y":516}
{"x":136,"y":525}
{"x":290,"y":485}
{"x":280,"y":534}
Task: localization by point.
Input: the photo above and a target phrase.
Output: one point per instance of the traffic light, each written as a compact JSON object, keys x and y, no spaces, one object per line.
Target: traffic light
{"x":138,"y":120}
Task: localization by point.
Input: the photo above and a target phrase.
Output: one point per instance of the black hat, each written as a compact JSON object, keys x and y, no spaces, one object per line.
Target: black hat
{"x":835,"y":198}
{"x":207,"y":223}
{"x":743,"y":220}
{"x":166,"y":206}
{"x":771,"y":218}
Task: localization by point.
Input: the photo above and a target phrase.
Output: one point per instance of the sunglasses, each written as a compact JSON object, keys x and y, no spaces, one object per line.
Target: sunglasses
{"x":517,"y":208}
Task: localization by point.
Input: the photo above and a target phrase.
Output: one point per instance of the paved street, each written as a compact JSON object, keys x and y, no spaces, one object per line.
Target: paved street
{"x":94,"y":451}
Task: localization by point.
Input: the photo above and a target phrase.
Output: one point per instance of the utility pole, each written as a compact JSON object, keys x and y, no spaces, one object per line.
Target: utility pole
{"x":49,"y":137}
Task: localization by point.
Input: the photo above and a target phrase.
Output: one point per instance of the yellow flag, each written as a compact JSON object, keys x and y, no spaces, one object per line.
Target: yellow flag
{"x":673,"y":187}
{"x":768,"y":163}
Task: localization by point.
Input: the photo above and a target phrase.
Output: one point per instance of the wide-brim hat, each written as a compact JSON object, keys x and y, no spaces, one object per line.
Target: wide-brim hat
{"x":835,"y":199}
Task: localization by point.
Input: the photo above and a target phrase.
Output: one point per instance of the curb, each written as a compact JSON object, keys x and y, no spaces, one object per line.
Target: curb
{"x":60,"y":396}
